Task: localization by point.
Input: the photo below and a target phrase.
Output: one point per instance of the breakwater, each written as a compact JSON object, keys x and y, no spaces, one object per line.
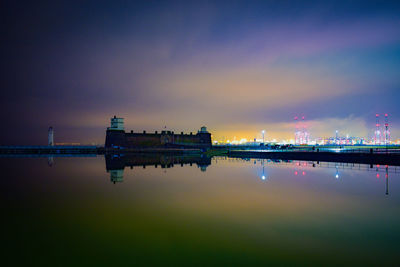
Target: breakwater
{"x":48,"y":150}
{"x":88,"y":150}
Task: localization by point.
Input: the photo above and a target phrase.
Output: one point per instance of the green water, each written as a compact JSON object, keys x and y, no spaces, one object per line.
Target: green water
{"x":222,"y":214}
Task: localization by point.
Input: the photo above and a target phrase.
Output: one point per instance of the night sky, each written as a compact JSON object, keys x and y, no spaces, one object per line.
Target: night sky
{"x":235,"y":66}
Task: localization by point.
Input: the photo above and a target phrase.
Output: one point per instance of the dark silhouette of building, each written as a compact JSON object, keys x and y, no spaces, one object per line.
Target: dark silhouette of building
{"x":116,"y":137}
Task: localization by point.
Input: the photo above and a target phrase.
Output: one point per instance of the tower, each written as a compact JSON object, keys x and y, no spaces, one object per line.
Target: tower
{"x":305,"y":133}
{"x":203,"y":129}
{"x":297,"y":131}
{"x":117,"y":124}
{"x":377,"y":137}
{"x":115,"y":134}
{"x":336,"y":137}
{"x":387,"y":131}
{"x":51,"y":137}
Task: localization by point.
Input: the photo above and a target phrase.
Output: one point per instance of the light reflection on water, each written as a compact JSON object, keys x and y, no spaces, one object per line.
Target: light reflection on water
{"x":162,"y":209}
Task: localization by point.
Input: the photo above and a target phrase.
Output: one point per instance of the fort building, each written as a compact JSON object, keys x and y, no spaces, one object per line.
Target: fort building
{"x":116,"y":137}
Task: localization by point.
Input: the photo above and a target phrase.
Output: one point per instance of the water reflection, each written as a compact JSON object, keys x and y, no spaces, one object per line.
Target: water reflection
{"x":387,"y":180}
{"x":115,"y":164}
{"x":50,"y":161}
{"x":300,"y":212}
{"x":337,"y":171}
{"x":263,"y":170}
{"x":301,"y":168}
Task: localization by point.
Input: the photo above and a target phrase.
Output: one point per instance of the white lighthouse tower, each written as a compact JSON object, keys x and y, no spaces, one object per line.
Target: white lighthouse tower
{"x":51,"y":136}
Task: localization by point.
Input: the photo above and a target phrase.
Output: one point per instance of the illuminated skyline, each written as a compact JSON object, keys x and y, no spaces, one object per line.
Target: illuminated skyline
{"x":237,"y":67}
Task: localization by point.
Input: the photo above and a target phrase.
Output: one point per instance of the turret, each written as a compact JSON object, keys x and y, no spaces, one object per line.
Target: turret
{"x":115,"y":135}
{"x":117,"y":124}
{"x":203,"y":129}
{"x":205,"y":137}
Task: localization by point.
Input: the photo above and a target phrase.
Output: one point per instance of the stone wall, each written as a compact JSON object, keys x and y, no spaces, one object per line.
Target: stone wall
{"x":157,"y":140}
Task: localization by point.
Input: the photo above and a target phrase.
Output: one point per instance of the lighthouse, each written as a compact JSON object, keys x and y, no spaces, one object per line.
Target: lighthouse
{"x":51,"y":136}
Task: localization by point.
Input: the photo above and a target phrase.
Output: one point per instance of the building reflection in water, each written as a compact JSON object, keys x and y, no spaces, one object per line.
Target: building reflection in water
{"x":115,"y":164}
{"x":116,"y":176}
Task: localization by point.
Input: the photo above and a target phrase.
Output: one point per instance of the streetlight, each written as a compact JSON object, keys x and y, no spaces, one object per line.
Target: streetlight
{"x":337,"y":135}
{"x":263,"y":132}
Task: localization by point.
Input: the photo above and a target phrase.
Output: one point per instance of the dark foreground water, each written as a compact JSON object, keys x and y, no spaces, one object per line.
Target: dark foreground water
{"x":228,"y":212}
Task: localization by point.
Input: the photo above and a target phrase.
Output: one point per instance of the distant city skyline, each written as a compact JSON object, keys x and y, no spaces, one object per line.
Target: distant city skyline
{"x":237,"y":67}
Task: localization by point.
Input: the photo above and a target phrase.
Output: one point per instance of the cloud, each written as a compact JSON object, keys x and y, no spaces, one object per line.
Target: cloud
{"x":231,"y":67}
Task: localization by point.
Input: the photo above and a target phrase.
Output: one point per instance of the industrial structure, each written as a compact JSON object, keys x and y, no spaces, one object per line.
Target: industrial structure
{"x":301,"y":135}
{"x":379,"y":138}
{"x":116,"y":137}
{"x":381,"y":135}
{"x":387,"y":131}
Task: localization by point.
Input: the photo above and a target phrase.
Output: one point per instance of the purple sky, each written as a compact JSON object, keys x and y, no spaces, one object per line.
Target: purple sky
{"x":236,"y":66}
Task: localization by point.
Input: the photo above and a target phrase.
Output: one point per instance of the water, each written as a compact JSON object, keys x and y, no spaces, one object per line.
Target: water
{"x":217,"y":211}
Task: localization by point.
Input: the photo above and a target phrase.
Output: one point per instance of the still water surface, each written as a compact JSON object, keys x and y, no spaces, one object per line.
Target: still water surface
{"x":86,"y":211}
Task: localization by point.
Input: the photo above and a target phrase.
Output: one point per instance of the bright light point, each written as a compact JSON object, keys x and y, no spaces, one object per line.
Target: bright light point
{"x":337,"y":176}
{"x":263,"y":177}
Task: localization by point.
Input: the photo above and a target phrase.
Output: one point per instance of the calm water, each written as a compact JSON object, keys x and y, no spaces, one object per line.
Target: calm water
{"x":215,"y":211}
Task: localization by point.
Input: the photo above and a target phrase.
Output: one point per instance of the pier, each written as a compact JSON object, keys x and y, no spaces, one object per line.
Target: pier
{"x":48,"y":150}
{"x":89,"y":150}
{"x":362,"y":156}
